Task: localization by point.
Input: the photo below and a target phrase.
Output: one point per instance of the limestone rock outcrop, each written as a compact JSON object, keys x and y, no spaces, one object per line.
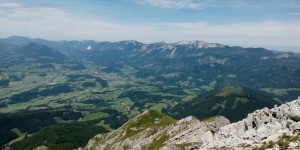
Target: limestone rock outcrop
{"x":261,"y":126}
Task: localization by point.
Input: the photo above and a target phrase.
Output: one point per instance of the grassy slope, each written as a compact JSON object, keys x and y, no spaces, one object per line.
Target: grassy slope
{"x":150,"y":120}
{"x":232,"y":102}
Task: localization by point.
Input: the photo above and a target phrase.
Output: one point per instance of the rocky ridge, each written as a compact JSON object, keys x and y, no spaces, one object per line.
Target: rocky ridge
{"x":266,"y":128}
{"x":279,"y":126}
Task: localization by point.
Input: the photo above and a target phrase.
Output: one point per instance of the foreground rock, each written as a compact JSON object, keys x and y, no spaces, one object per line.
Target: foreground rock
{"x":153,"y":130}
{"x":266,"y":128}
{"x":263,"y":128}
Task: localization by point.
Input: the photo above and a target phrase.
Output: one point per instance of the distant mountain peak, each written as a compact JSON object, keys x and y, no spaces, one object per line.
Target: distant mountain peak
{"x":35,"y":47}
{"x":39,"y":50}
{"x":187,"y":42}
{"x":18,"y":38}
{"x":133,"y":42}
{"x":199,"y":44}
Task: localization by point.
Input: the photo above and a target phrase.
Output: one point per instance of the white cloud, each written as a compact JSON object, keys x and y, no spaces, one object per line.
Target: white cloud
{"x":56,"y":24}
{"x":178,"y":4}
{"x":9,"y":5}
{"x":237,"y":4}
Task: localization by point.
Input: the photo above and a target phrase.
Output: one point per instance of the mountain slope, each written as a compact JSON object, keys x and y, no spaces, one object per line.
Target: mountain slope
{"x":5,"y":47}
{"x":266,"y":128}
{"x":152,"y":130}
{"x":36,"y":56}
{"x":34,"y":50}
{"x":137,"y":129}
{"x":232,"y":102}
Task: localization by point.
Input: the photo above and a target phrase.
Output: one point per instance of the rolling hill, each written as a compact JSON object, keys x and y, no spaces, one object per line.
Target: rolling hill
{"x":232,"y":102}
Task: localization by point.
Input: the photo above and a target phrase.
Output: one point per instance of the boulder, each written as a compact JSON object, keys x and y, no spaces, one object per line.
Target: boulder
{"x":216,"y":123}
{"x":295,"y":115}
{"x":295,"y":126}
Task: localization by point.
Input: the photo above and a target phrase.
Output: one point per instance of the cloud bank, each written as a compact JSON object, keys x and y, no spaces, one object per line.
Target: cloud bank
{"x":57,"y":24}
{"x":178,"y":4}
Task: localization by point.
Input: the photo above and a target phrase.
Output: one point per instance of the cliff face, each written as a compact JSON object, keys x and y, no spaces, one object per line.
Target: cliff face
{"x":265,"y":128}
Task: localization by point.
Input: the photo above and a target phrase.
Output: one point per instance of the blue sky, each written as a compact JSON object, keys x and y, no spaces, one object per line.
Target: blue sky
{"x":273,"y":24}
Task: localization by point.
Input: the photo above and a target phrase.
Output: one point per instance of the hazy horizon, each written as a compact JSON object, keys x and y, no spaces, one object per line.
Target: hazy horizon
{"x":150,"y":42}
{"x":269,"y":24}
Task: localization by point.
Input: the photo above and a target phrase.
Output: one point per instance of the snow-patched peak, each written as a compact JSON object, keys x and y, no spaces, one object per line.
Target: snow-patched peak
{"x":188,"y":45}
{"x":184,"y":42}
{"x":132,"y":42}
{"x":199,"y":44}
{"x":89,"y":47}
{"x":282,"y":55}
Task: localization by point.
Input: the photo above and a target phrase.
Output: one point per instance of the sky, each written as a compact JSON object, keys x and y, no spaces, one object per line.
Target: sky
{"x":272,"y":24}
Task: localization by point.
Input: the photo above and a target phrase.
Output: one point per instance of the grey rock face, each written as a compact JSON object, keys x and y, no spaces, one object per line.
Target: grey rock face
{"x":260,"y":126}
{"x":217,"y":123}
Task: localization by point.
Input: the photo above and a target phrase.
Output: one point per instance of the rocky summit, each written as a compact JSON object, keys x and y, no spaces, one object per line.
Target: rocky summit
{"x":276,"y":128}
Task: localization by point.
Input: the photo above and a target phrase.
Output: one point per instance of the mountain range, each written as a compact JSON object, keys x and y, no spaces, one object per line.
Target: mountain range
{"x":197,"y":62}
